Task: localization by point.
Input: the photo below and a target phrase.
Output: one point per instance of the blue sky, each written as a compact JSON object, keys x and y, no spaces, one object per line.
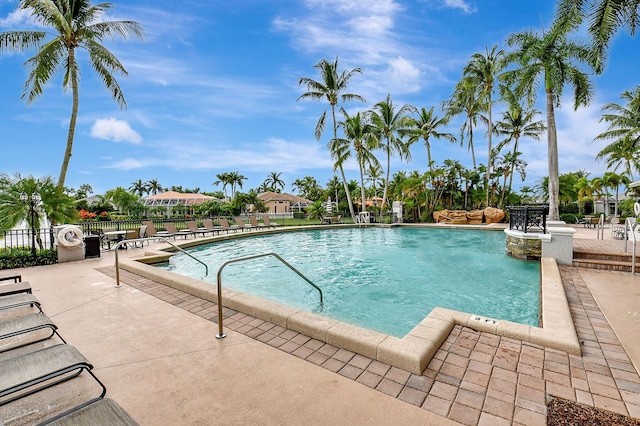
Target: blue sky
{"x":213,"y":89}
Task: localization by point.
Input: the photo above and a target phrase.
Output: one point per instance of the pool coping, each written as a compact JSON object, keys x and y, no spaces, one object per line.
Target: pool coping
{"x":412,"y":352}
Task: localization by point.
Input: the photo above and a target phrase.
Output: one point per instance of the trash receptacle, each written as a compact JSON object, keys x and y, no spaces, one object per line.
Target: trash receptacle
{"x":91,"y":246}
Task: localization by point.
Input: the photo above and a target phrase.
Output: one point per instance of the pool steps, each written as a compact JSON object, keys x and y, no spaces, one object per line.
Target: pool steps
{"x":412,"y":352}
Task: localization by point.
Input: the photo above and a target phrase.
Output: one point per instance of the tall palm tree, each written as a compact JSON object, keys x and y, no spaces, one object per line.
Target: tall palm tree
{"x":331,"y":88}
{"x":373,"y":176}
{"x":388,"y":122}
{"x":139,"y":187}
{"x":483,"y":71}
{"x":274,"y":182}
{"x":606,"y":18}
{"x":424,"y":127}
{"x":623,"y":130}
{"x":465,"y":100}
{"x":235,"y":179}
{"x":76,"y":24}
{"x":153,"y":187}
{"x":360,"y":138}
{"x":517,"y":123}
{"x":585,"y":192}
{"x":549,"y":58}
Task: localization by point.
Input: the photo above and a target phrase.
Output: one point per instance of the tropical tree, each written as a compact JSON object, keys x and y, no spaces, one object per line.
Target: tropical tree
{"x":57,"y":208}
{"x":153,"y":187}
{"x":388,"y":123}
{"x":274,"y":183}
{"x":121,"y":198}
{"x":224,"y":179}
{"x":427,"y":125}
{"x":331,"y":88}
{"x":585,"y":192}
{"x":606,"y":18}
{"x":308,"y":187}
{"x":623,"y":130}
{"x":517,"y":123}
{"x":466,"y":100}
{"x":76,"y":24}
{"x":373,"y":176}
{"x":235,"y":179}
{"x":360,"y":138}
{"x":139,"y":187}
{"x":553,"y":60}
{"x":84,"y":190}
{"x":482,"y":71}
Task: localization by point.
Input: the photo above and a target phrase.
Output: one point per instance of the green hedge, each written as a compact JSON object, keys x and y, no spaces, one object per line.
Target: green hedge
{"x":22,"y":258}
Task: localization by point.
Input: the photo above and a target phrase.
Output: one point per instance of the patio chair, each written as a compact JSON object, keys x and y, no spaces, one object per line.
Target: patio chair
{"x":16,"y":327}
{"x":210,"y":227}
{"x":171,"y":228}
{"x":15,"y":288}
{"x":98,"y":411}
{"x":108,"y":239}
{"x":19,"y":300}
{"x":226,"y":227}
{"x":267,"y":221}
{"x":193,"y":227}
{"x":131,"y":234}
{"x":242,"y":225}
{"x":142,"y":233}
{"x":15,"y":277}
{"x":29,"y":373}
{"x":254,"y":223}
{"x":153,"y":232}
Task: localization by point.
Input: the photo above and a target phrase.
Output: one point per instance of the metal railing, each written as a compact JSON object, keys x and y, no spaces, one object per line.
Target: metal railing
{"x":120,"y":243}
{"x":525,"y":218}
{"x":19,"y":238}
{"x":221,"y":334}
{"x":630,"y":225}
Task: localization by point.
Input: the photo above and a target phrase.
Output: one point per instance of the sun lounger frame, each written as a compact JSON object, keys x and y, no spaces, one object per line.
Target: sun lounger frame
{"x":23,"y":324}
{"x":41,"y":370}
{"x":95,"y":411}
{"x":17,"y":300}
{"x":15,"y":288}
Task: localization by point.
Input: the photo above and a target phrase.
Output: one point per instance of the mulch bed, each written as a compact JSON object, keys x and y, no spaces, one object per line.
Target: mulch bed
{"x":561,"y":412}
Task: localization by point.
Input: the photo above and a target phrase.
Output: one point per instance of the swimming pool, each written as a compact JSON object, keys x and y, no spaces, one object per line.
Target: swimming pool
{"x":384,"y":279}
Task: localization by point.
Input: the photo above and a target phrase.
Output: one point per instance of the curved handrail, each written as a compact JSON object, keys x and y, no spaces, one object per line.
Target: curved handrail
{"x":631,"y":224}
{"x":221,"y":334}
{"x":600,"y":226}
{"x":117,"y":246}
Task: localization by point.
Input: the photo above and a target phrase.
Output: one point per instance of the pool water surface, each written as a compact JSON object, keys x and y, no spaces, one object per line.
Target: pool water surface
{"x":384,"y":279}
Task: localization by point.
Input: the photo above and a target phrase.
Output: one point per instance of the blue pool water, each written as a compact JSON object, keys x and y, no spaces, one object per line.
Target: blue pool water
{"x":384,"y":279}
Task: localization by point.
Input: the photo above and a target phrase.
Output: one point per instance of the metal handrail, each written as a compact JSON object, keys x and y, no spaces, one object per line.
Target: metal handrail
{"x":221,"y":334}
{"x":117,"y":246}
{"x":600,"y":228}
{"x":631,"y":224}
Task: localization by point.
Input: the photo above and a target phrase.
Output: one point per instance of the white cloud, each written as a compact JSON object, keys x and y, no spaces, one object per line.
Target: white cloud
{"x":16,"y":18}
{"x":460,"y":4}
{"x":115,"y":130}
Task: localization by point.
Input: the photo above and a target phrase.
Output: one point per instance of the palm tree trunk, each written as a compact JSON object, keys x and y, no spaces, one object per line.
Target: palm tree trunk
{"x":473,"y":151}
{"x":552,"y":154}
{"x":513,"y":163}
{"x":344,"y":179}
{"x":73,"y":76}
{"x":362,"y":196}
{"x":489,"y":159}
{"x":386,"y":182}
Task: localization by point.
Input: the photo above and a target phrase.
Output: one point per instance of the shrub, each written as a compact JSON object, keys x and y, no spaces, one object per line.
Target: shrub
{"x":85,"y":215}
{"x":22,"y":258}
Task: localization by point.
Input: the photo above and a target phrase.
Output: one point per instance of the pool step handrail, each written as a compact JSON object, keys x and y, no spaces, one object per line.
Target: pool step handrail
{"x":221,"y":334}
{"x":117,"y":247}
{"x":630,"y":228}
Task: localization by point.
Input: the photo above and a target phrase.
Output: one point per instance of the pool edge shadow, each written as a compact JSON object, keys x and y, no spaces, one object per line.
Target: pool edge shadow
{"x":414,"y":351}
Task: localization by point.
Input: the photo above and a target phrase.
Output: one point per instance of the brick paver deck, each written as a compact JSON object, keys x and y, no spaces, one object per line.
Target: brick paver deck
{"x":475,"y":378}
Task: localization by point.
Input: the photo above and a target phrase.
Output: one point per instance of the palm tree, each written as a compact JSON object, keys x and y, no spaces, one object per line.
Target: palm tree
{"x":622,"y":155}
{"x":585,"y":192}
{"x":139,"y":187}
{"x":424,"y":127}
{"x":331,"y":88}
{"x":76,"y":25}
{"x":235,"y":179}
{"x":517,"y":123}
{"x":624,"y":130}
{"x":613,"y":181}
{"x":153,"y":187}
{"x":483,"y":71}
{"x":274,"y":182}
{"x":388,"y":122}
{"x":551,"y":59}
{"x":359,"y":136}
{"x":606,"y":18}
{"x":223,"y":178}
{"x":373,"y":176}
{"x":465,"y":100}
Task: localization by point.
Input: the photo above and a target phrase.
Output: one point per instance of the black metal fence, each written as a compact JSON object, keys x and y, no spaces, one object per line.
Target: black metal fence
{"x":18,"y":238}
{"x":525,"y":218}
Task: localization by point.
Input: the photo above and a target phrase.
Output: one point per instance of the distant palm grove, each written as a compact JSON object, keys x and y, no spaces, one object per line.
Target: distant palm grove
{"x":493,"y":100}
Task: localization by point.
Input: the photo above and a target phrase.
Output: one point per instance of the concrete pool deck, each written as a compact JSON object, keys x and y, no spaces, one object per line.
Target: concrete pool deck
{"x":152,"y":344}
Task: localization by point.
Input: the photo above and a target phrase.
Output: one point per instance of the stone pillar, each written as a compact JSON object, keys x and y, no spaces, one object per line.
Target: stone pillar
{"x":560,"y":245}
{"x":524,"y":245}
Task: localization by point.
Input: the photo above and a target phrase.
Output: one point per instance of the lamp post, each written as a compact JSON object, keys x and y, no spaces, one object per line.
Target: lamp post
{"x":34,"y":201}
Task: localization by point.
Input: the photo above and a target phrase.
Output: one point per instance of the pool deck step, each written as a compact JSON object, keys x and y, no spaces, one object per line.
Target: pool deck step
{"x":602,"y":260}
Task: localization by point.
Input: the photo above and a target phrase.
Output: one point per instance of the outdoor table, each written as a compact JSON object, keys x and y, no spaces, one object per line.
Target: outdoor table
{"x":119,"y":234}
